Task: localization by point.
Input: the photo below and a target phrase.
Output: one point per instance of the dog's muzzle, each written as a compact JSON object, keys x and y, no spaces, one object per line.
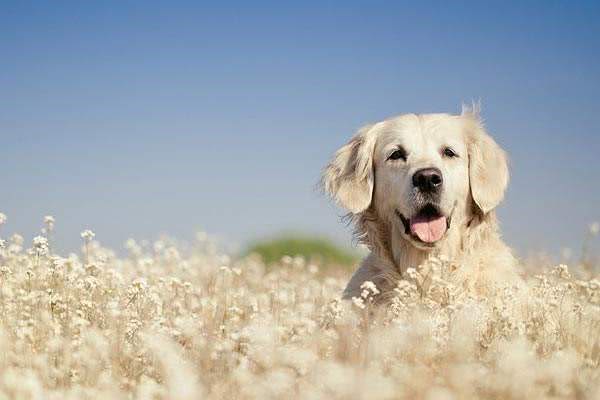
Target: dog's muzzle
{"x":427,"y":226}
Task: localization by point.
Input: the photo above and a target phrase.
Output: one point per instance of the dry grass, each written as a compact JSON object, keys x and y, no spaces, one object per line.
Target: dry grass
{"x":160,"y":325}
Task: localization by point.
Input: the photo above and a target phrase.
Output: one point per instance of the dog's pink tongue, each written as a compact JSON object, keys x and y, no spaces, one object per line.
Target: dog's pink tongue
{"x":427,"y":229}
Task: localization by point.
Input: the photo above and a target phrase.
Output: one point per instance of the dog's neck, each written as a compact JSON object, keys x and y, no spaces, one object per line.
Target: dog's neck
{"x":389,"y":245}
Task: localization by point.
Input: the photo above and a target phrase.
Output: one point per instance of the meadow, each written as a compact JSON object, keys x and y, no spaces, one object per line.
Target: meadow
{"x":172,"y":322}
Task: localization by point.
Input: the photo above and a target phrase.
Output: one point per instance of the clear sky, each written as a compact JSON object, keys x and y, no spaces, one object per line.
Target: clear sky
{"x":141,"y":118}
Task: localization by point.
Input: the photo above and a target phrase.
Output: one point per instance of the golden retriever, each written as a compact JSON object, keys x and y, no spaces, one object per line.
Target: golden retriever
{"x":425,"y":185}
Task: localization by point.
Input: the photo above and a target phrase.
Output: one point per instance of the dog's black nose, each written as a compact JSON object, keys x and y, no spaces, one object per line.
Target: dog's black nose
{"x":428,"y":179}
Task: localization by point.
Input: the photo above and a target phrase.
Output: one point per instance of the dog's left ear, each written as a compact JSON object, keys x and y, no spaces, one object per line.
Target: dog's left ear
{"x":349,"y":176}
{"x":488,"y":166}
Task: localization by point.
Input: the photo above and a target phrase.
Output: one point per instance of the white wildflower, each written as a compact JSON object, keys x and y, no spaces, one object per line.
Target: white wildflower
{"x":412,"y":273}
{"x":358,"y":302}
{"x":594,"y":228}
{"x":87,"y":235}
{"x":562,"y":271}
{"x":49,"y":221}
{"x":2,"y":219}
{"x":369,"y":288}
{"x":40,"y":244}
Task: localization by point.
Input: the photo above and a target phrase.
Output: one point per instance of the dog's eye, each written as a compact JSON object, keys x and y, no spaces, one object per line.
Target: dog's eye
{"x":400,"y":153}
{"x":450,"y":153}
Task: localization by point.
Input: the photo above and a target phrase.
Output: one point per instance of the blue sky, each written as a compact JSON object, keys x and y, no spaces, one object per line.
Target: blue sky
{"x":141,"y":118}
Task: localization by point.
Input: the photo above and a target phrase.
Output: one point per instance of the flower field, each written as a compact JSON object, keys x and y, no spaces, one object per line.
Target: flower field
{"x":166,"y":322}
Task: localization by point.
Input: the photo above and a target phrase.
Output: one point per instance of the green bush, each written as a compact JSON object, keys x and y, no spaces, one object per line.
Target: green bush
{"x":312,"y":248}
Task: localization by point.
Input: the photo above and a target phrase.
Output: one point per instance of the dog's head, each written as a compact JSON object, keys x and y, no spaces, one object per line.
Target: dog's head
{"x":423,"y":174}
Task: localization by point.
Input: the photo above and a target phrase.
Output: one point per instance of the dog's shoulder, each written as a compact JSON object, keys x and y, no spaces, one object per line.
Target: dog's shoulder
{"x":374,"y":270}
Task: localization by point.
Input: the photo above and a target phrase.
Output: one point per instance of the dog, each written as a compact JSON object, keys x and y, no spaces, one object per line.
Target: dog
{"x":422,"y":186}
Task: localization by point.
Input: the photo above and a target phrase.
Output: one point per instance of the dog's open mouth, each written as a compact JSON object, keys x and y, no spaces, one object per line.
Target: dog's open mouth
{"x":428,"y":225}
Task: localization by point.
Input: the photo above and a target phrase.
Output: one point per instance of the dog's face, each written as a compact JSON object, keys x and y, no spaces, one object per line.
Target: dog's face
{"x":421,"y":175}
{"x":424,"y":174}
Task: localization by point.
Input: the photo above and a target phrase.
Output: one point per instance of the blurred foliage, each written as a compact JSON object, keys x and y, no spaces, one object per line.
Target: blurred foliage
{"x":316,"y":249}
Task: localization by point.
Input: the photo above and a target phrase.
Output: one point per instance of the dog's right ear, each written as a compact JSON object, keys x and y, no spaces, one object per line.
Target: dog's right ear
{"x":349,"y":176}
{"x":488,"y":165}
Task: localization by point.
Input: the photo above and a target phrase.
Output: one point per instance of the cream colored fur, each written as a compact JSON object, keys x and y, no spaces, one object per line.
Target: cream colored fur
{"x":374,"y":189}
